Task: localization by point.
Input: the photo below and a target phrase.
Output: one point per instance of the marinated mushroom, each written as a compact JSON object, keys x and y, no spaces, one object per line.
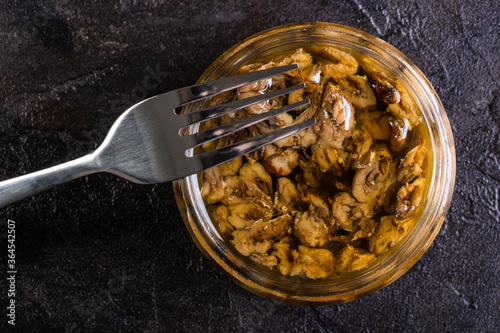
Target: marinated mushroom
{"x":328,"y":158}
{"x":244,"y":214}
{"x":314,"y":263}
{"x":264,"y":259}
{"x":212,"y":189}
{"x":409,"y":197}
{"x":387,"y":234}
{"x":281,"y":250}
{"x":374,"y":122}
{"x":399,"y":134}
{"x":351,"y":259}
{"x":336,"y":63}
{"x":257,"y":238}
{"x":348,"y":212}
{"x":310,"y":229}
{"x":300,"y":57}
{"x":335,"y":118}
{"x":412,"y":164}
{"x":280,"y":161}
{"x":239,"y":189}
{"x":359,"y":91}
{"x":286,"y":196}
{"x":256,"y":173}
{"x":375,"y":173}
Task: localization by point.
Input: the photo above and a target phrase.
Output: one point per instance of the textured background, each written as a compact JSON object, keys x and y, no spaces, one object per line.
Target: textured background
{"x":101,"y":254}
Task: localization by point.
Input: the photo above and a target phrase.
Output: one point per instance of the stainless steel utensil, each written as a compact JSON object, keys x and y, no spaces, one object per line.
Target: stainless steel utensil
{"x":145,"y":144}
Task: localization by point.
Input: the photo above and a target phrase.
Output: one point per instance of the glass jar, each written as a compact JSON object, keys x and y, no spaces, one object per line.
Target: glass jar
{"x":389,"y":266}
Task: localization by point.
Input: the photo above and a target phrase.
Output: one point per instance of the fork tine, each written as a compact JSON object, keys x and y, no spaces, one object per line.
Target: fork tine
{"x":186,"y":119}
{"x":208,"y":89}
{"x":224,"y":154}
{"x":200,"y":138}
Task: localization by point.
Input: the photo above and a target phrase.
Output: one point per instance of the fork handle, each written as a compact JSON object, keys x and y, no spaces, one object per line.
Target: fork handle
{"x":21,"y":187}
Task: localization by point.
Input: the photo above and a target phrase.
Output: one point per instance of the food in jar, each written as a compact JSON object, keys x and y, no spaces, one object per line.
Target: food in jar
{"x":332,"y":198}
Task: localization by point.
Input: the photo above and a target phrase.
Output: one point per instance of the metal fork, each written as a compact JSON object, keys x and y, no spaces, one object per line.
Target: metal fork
{"x":145,"y":144}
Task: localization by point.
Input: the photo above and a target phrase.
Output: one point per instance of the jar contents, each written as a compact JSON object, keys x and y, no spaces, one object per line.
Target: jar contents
{"x":332,"y":198}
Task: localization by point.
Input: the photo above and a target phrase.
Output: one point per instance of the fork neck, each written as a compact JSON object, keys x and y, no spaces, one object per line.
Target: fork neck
{"x":21,"y":187}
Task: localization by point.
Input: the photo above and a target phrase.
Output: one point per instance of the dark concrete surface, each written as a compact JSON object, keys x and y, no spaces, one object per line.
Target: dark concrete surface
{"x":101,"y":254}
